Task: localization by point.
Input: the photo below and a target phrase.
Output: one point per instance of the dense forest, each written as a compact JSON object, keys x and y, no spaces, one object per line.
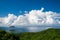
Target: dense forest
{"x":49,"y":34}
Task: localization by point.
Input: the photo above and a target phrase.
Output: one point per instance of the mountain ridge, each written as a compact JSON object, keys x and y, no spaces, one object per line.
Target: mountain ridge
{"x":49,"y":34}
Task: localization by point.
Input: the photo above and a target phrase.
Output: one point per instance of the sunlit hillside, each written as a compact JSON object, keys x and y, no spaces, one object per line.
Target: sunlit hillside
{"x":49,"y":34}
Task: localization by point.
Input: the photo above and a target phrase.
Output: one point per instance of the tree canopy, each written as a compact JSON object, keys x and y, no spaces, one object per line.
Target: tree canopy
{"x":49,"y":34}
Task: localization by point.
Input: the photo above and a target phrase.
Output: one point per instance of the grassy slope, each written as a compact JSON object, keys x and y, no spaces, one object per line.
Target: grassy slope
{"x":50,"y":34}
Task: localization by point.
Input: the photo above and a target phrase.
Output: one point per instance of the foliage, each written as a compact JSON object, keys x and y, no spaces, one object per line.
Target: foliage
{"x":50,"y":34}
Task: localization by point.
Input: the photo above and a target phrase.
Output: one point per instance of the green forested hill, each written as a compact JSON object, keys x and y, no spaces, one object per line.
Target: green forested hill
{"x":49,"y":34}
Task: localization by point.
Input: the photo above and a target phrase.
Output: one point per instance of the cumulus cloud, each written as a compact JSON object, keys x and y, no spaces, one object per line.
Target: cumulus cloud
{"x":32,"y":18}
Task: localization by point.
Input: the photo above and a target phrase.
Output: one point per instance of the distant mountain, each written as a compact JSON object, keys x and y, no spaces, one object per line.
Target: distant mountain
{"x":12,"y":26}
{"x":49,"y":34}
{"x":13,"y":29}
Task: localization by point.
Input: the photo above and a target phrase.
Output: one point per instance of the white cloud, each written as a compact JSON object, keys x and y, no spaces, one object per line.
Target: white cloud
{"x":8,"y":20}
{"x":36,"y":29}
{"x":32,"y":18}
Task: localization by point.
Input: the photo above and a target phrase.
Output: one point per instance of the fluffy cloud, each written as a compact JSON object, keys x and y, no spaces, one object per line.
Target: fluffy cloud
{"x":32,"y":18}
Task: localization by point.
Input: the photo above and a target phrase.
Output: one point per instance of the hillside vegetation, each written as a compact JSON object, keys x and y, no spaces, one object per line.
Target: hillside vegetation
{"x":49,"y":34}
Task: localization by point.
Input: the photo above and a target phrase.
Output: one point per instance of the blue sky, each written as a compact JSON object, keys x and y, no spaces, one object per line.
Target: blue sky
{"x":14,"y":6}
{"x":40,"y":14}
